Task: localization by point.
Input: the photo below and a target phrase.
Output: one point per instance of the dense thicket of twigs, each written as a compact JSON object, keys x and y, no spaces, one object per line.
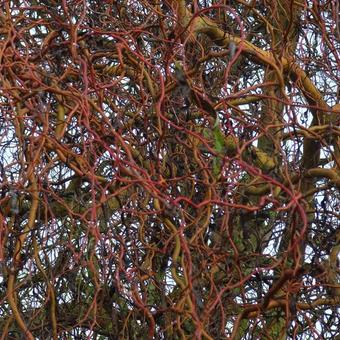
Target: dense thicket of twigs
{"x":169,"y":169}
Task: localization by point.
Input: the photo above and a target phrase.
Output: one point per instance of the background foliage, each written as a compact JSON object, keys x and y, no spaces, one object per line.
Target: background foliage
{"x":169,"y":169}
